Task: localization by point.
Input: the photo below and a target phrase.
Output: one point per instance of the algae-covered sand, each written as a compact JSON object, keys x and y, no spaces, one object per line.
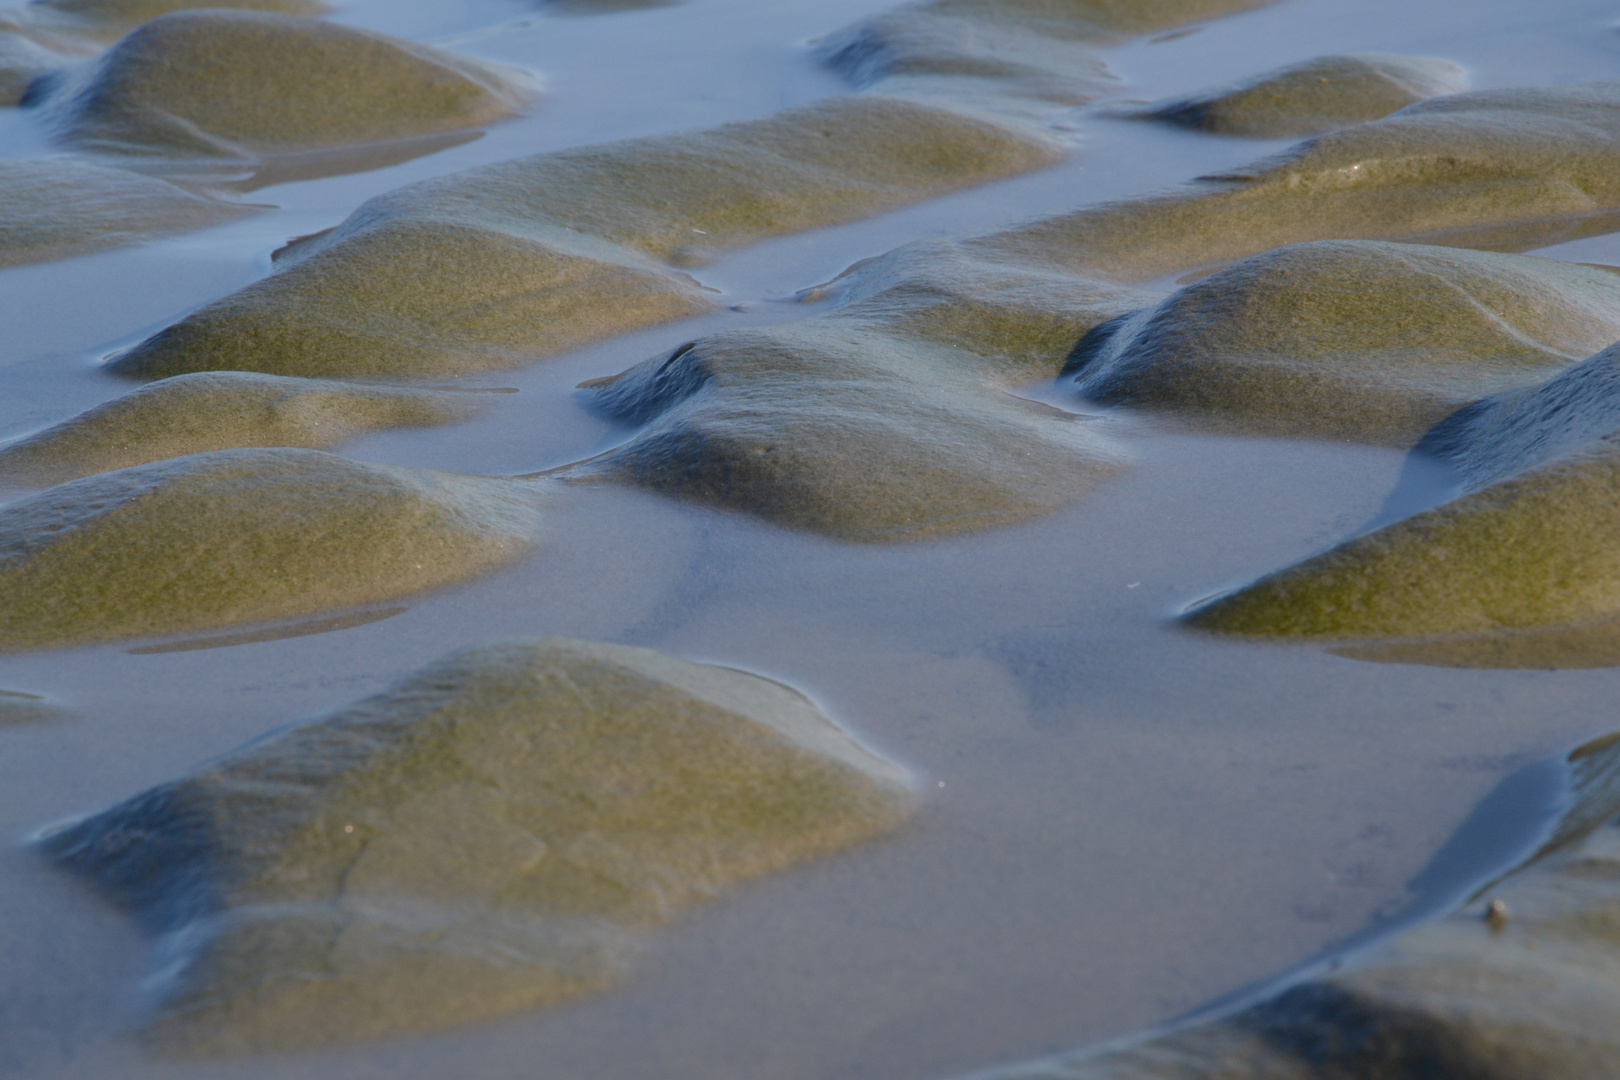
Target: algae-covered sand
{"x":220,"y":410}
{"x":54,"y":208}
{"x":1350,"y":339}
{"x":1314,"y":96}
{"x":531,"y":258}
{"x":1529,"y":544}
{"x":246,"y":83}
{"x":854,"y":434}
{"x":488,"y":836}
{"x":556,"y":251}
{"x":891,"y":418}
{"x":1535,"y":550}
{"x":1497,"y":169}
{"x":239,"y":536}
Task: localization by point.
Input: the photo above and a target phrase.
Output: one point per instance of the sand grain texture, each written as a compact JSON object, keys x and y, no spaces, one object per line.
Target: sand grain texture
{"x":488,"y":836}
{"x":1318,"y":95}
{"x":1506,"y":170}
{"x":1540,"y":549}
{"x":1357,"y":340}
{"x":241,"y":536}
{"x":531,"y":258}
{"x":223,"y":410}
{"x":888,"y":419}
{"x":54,"y":208}
{"x":245,"y":83}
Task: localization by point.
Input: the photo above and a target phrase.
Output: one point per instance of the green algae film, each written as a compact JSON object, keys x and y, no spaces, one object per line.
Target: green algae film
{"x":486,"y":837}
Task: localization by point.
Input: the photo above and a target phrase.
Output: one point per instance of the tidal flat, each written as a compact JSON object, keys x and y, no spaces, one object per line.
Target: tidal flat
{"x":855,"y":476}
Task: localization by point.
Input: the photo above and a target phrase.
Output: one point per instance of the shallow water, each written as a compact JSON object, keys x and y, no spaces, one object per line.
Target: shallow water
{"x":1123,"y":820}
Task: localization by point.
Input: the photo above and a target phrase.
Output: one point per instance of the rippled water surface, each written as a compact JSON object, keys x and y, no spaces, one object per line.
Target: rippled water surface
{"x":1123,"y":820}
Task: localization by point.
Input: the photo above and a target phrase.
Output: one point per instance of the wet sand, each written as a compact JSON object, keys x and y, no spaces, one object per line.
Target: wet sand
{"x":1122,"y":820}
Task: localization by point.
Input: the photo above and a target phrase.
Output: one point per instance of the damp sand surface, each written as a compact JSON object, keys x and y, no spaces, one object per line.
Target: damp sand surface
{"x":1121,"y":821}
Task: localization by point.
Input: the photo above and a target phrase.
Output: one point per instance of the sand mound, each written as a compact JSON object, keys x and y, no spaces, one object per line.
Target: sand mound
{"x":1539,"y":549}
{"x":242,"y":83}
{"x":978,"y":53}
{"x":1351,"y":339}
{"x":1519,"y":571}
{"x":1315,"y":96}
{"x":841,"y":426}
{"x":191,"y":414}
{"x":54,"y":208}
{"x":538,"y":256}
{"x":481,"y":839}
{"x":1498,"y":169}
{"x":1016,"y":321}
{"x":240,"y":536}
